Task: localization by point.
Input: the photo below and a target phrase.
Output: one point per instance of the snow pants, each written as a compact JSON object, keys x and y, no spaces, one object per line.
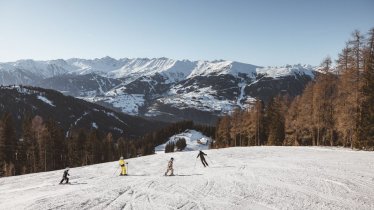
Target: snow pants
{"x":64,"y":178}
{"x":203,"y":161}
{"x":123,"y":170}
{"x":169,"y":169}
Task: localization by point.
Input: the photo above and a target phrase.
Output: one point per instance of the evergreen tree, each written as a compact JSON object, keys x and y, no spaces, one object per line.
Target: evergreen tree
{"x":170,"y":147}
{"x":181,"y":144}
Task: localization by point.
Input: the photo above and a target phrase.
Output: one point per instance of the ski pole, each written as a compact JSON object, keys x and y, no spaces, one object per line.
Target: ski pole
{"x":194,"y":164}
{"x":116,"y":171}
{"x":209,"y":160}
{"x":127,"y":168}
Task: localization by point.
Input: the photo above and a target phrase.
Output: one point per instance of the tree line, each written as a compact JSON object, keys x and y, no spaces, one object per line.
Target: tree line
{"x":42,"y":145}
{"x":335,"y":109}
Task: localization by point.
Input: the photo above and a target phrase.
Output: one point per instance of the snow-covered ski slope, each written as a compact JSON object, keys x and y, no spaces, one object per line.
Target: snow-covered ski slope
{"x":238,"y":178}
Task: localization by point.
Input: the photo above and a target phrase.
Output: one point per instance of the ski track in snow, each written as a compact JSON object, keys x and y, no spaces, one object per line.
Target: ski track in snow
{"x":238,"y":178}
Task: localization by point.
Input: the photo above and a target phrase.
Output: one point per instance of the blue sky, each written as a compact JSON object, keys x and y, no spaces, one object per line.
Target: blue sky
{"x":262,"y":32}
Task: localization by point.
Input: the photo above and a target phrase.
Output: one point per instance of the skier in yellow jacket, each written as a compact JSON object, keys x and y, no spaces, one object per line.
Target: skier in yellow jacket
{"x":123,"y":167}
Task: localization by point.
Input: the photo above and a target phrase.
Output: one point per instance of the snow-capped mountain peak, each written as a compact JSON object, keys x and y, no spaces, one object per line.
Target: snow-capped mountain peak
{"x":172,"y":70}
{"x":161,"y":87}
{"x":286,"y":70}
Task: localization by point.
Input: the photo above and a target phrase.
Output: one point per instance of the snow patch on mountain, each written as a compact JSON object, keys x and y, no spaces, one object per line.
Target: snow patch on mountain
{"x":94,"y":125}
{"x":205,"y":68}
{"x":172,"y":70}
{"x":45,"y":100}
{"x":276,"y":72}
{"x":101,"y":66}
{"x":204,"y":99}
{"x":128,"y":103}
{"x":195,"y":141}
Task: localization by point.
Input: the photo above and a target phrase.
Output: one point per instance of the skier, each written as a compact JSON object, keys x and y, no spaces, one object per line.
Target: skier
{"x":170,"y":167}
{"x":202,"y":158}
{"x":123,"y":167}
{"x":65,"y":176}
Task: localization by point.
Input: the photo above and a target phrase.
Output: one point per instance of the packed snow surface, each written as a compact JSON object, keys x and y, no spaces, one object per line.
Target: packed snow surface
{"x":195,"y":140}
{"x":237,"y":178}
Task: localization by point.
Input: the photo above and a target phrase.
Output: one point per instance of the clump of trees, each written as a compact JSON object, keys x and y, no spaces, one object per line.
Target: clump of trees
{"x":170,"y":147}
{"x":44,"y":146}
{"x":336,"y":109}
{"x":181,"y":144}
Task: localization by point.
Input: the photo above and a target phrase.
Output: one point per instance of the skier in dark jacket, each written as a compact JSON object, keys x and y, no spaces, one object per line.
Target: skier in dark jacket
{"x":65,"y":176}
{"x":202,"y":158}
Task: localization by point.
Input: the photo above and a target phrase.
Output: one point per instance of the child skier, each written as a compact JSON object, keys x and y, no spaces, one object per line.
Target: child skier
{"x":202,"y":158}
{"x":65,"y":176}
{"x":123,"y":167}
{"x":170,"y":167}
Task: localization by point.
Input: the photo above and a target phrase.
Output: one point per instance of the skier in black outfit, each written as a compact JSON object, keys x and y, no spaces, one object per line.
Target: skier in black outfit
{"x":65,"y":176}
{"x":202,"y":158}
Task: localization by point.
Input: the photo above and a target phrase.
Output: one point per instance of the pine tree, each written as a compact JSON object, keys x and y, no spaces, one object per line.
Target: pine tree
{"x":236,"y":128}
{"x":356,"y":44}
{"x":2,"y":150}
{"x":367,"y":112}
{"x":169,"y":147}
{"x":8,"y":145}
{"x":344,"y":60}
{"x":293,"y":128}
{"x":73,"y":153}
{"x":344,"y":105}
{"x":275,"y":122}
{"x":181,"y":144}
{"x":223,"y":132}
{"x":108,"y":148}
{"x":325,"y":91}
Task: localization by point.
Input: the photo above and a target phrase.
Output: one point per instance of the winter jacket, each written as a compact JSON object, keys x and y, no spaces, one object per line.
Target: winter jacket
{"x":66,"y":174}
{"x":122,"y":163}
{"x":170,"y":164}
{"x":201,"y":155}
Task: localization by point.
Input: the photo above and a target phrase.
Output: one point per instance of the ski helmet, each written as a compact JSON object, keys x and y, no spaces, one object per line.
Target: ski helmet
{"x":121,"y":158}
{"x":67,"y":168}
{"x":171,"y":158}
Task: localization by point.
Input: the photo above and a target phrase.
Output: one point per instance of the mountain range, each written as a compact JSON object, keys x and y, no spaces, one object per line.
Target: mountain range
{"x":161,"y":88}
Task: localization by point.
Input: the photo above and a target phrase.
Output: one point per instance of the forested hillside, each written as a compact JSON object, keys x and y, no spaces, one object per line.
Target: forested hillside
{"x":336,"y":109}
{"x":43,"y":145}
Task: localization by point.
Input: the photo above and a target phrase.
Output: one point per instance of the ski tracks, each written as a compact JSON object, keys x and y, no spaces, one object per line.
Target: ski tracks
{"x":241,"y":178}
